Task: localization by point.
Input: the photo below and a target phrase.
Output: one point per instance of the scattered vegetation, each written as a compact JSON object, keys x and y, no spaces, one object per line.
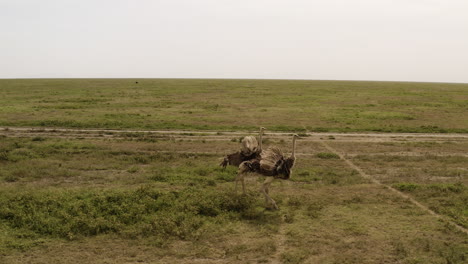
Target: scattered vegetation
{"x":144,"y":198}
{"x":327,"y":155}
{"x":214,"y":105}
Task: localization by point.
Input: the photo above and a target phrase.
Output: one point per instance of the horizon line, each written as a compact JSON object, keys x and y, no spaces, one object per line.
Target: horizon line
{"x":215,"y":78}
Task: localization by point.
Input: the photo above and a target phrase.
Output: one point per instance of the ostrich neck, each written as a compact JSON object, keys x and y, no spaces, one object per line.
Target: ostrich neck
{"x":260,"y":143}
{"x":293,"y":155}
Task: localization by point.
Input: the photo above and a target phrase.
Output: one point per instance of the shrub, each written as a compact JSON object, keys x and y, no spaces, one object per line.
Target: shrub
{"x":326,"y":155}
{"x":144,"y":211}
{"x":4,"y":155}
{"x":140,"y":159}
{"x":455,"y":188}
{"x":294,"y":256}
{"x":202,"y":171}
{"x":406,"y":187}
{"x":11,"y":178}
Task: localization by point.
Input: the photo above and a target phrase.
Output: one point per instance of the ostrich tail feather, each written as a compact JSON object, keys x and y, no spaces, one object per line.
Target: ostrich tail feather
{"x":224,"y":163}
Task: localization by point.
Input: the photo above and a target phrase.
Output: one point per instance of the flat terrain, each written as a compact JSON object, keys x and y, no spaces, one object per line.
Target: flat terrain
{"x":110,"y":171}
{"x":221,"y":105}
{"x":102,"y":196}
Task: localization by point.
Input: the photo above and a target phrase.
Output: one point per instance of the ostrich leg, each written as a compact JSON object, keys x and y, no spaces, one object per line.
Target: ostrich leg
{"x":240,"y":177}
{"x":265,"y":186}
{"x":243,"y":168}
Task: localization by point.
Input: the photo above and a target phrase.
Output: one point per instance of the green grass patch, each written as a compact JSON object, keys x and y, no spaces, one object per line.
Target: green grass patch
{"x":145,"y":211}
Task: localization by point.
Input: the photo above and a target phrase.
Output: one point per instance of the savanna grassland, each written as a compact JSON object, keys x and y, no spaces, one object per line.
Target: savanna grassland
{"x":280,"y":105}
{"x":107,"y":196}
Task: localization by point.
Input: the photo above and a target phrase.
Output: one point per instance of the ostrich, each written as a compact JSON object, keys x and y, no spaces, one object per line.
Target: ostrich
{"x":250,"y":149}
{"x":273,"y":165}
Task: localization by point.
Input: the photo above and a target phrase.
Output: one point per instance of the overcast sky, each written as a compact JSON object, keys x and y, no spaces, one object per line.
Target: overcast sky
{"x":400,"y":40}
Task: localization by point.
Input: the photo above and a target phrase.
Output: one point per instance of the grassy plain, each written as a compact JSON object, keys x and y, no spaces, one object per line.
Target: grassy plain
{"x":137,"y":197}
{"x":140,"y":199}
{"x":282,"y":105}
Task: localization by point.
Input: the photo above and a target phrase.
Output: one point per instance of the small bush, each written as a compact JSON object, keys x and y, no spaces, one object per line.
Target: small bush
{"x":294,"y":256}
{"x":288,"y":217}
{"x":211,"y":183}
{"x":295,"y":201}
{"x":225,"y":175}
{"x":176,"y":224}
{"x":4,"y":155}
{"x":406,"y":187}
{"x":21,"y":154}
{"x":313,"y":210}
{"x":202,"y":171}
{"x":164,"y":157}
{"x":133,"y":169}
{"x":141,"y":159}
{"x":455,"y":188}
{"x":326,"y":155}
{"x":11,"y":178}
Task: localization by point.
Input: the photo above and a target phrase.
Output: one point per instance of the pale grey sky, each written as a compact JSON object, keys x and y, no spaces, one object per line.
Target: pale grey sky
{"x":400,"y":40}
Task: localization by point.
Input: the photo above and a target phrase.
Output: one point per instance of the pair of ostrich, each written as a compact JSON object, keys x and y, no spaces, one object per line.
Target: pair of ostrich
{"x":270,"y":163}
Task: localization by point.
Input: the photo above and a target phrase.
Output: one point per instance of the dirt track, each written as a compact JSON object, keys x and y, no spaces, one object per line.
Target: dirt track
{"x":215,"y":135}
